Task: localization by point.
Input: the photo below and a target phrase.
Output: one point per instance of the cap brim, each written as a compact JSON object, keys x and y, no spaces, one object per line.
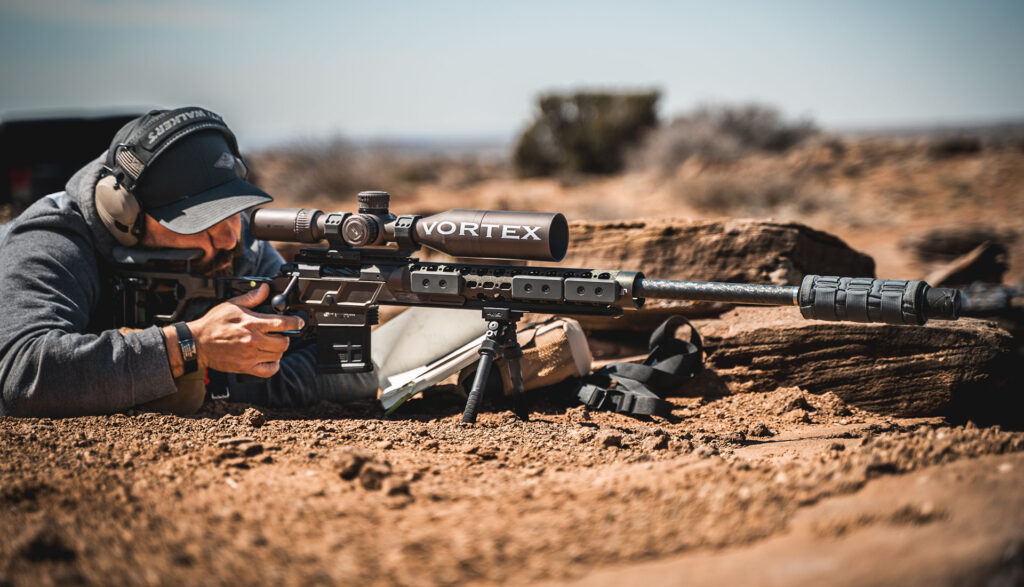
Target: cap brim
{"x":203,"y":210}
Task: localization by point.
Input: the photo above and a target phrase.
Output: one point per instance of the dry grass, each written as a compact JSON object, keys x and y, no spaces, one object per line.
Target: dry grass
{"x":333,"y":172}
{"x":719,"y":134}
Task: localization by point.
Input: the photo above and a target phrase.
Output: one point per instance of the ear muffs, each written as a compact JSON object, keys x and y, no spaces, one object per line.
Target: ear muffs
{"x":119,"y":211}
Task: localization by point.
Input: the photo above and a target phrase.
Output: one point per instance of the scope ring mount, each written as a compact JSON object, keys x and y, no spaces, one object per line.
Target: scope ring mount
{"x":404,"y":227}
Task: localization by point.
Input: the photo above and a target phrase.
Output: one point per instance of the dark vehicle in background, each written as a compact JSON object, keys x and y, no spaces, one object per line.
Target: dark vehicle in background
{"x":40,"y":152}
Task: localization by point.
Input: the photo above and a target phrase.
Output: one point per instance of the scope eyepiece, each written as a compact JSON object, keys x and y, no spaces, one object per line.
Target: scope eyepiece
{"x":291,"y":225}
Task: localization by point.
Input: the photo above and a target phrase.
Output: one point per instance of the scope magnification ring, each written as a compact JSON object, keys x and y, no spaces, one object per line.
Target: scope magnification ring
{"x":304,"y":225}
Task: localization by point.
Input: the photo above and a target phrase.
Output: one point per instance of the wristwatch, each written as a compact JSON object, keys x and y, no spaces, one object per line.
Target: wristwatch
{"x":187,"y":344}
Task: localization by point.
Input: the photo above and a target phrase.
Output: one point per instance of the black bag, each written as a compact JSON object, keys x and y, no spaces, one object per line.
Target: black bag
{"x":637,"y":389}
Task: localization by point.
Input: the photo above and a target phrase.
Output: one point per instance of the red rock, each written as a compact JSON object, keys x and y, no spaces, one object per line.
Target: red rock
{"x":897,"y":370}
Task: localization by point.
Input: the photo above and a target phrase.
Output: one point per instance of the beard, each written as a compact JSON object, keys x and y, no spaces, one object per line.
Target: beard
{"x":222,"y":264}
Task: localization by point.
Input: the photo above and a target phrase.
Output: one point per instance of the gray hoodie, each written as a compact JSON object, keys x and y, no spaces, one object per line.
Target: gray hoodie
{"x":58,"y":355}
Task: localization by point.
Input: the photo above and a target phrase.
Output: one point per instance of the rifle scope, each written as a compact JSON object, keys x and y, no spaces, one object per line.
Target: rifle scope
{"x":492,"y":234}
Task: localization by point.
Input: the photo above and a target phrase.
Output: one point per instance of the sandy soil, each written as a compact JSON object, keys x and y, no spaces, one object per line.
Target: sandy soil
{"x":779,"y":487}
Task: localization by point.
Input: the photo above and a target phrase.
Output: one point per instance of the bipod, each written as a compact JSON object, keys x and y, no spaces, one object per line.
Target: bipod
{"x":499,"y":342}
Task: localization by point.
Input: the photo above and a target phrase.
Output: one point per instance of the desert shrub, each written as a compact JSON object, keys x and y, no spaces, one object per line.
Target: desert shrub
{"x":761,"y":127}
{"x":748,"y":195}
{"x":719,"y":134}
{"x":953,"y":146}
{"x":584,"y":132}
{"x":683,"y":138}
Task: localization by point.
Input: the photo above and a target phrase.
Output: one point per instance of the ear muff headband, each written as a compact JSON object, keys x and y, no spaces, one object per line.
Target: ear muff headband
{"x":128,"y":160}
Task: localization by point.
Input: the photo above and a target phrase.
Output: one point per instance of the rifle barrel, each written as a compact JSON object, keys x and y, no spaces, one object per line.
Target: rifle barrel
{"x":854,"y":299}
{"x":710,"y":291}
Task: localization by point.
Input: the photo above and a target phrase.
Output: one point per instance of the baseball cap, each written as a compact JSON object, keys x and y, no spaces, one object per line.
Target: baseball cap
{"x":181,"y":167}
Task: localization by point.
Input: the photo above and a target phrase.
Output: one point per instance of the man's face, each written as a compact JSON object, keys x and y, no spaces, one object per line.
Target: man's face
{"x":221,"y":243}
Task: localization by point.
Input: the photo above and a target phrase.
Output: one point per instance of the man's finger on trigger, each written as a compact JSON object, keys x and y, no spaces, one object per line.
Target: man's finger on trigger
{"x":282,"y":324}
{"x":274,"y":324}
{"x":252,"y":298}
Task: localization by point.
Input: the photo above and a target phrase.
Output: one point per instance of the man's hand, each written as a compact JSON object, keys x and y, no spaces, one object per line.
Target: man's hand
{"x":234,"y":339}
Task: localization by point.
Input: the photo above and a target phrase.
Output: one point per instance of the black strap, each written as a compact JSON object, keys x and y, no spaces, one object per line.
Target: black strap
{"x":630,"y":388}
{"x":188,"y":347}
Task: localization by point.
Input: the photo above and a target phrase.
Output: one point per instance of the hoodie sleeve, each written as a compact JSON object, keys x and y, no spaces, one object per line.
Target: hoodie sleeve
{"x":49,"y":365}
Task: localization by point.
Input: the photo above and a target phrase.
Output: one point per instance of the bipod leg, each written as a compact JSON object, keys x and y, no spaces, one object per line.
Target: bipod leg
{"x":488,"y":350}
{"x":499,"y":341}
{"x":512,"y":352}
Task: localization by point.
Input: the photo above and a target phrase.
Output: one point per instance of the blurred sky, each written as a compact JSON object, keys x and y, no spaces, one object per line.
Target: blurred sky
{"x":278,"y":71}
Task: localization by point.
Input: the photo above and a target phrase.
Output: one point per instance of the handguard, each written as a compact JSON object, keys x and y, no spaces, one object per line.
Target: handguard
{"x":863,"y":299}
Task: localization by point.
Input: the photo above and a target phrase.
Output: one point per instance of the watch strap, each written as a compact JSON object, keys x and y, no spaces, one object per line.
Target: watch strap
{"x":187,"y":344}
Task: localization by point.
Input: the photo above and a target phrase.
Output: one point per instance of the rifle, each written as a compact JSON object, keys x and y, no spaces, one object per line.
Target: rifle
{"x":368,"y":263}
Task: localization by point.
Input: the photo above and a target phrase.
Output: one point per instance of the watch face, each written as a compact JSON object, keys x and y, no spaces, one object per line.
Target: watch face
{"x":188,"y":350}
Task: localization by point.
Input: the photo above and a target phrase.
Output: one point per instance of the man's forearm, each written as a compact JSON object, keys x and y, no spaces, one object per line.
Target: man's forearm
{"x":67,"y":374}
{"x":174,"y":358}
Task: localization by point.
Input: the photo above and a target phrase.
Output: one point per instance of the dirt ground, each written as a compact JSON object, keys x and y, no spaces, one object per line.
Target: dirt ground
{"x":783,"y":487}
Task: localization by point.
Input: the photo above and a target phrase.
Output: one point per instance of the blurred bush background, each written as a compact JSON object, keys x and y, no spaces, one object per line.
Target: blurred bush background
{"x":720,"y":133}
{"x":584,"y":132}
